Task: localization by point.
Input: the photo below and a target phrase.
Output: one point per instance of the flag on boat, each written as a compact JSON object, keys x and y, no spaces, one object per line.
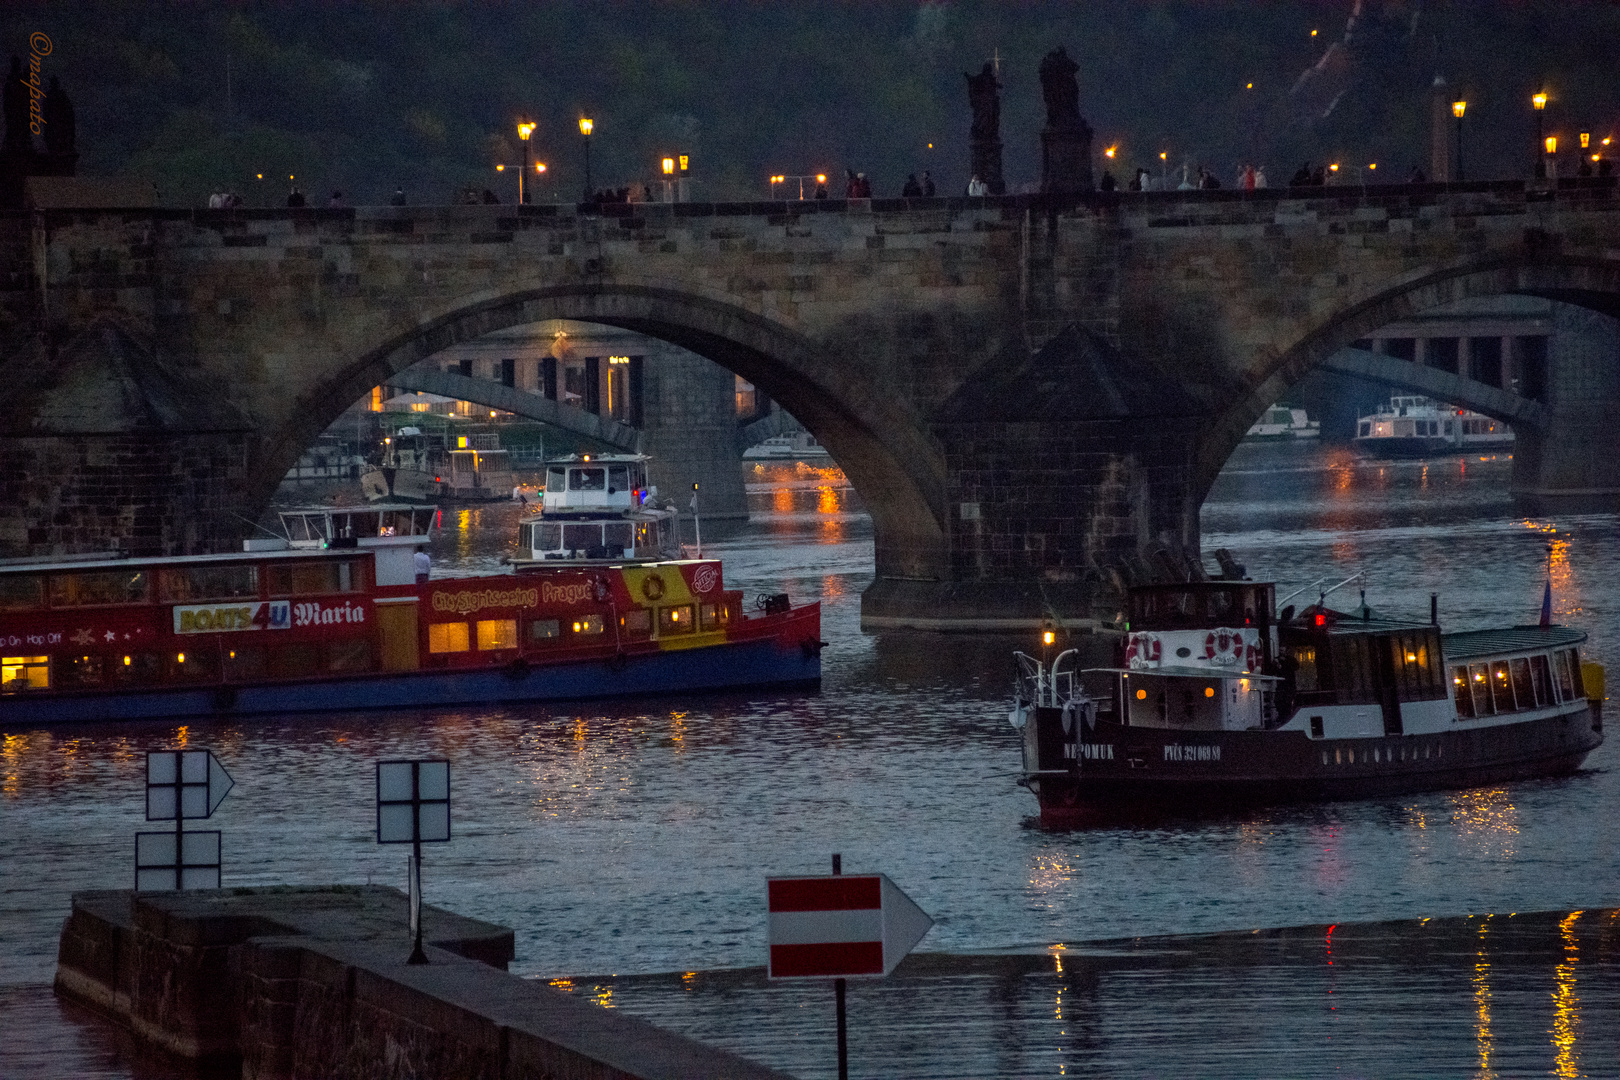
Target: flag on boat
{"x":1546,"y":604}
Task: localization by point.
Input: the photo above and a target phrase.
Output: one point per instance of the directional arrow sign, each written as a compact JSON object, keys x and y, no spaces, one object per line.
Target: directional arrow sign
{"x":184,"y":784}
{"x":840,"y":926}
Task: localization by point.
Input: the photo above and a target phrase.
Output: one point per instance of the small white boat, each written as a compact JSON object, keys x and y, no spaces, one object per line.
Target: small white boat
{"x":598,"y":507}
{"x":1411,"y":426}
{"x":1280,"y":423}
{"x":797,"y":446}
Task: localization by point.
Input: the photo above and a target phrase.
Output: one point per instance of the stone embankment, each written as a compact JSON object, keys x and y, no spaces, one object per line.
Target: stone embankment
{"x":312,"y":983}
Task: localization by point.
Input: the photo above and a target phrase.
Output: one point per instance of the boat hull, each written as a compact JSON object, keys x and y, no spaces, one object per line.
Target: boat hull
{"x":779,"y":661}
{"x":1406,"y":447}
{"x":1124,"y":771}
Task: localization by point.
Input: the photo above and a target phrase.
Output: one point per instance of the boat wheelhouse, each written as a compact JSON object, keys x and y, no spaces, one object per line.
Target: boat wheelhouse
{"x":278,"y":629}
{"x":597,"y":508}
{"x":420,"y":466}
{"x":338,"y":526}
{"x":1215,"y":702}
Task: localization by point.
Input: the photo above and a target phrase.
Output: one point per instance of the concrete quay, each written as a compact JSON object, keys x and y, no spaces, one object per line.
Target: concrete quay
{"x":285,"y":982}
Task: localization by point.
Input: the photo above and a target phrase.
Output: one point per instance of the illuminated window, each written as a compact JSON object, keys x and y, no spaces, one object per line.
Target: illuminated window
{"x":588,"y":624}
{"x":497,"y":634}
{"x":545,"y":630}
{"x":447,"y":637}
{"x":25,"y":673}
{"x":713,"y":616}
{"x":675,"y":620}
{"x":638,"y":621}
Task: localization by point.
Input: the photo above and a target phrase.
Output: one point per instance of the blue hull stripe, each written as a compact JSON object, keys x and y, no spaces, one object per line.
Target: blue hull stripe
{"x":750,"y":664}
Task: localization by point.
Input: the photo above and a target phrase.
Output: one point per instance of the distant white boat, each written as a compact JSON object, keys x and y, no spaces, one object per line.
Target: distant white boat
{"x":1411,"y":426}
{"x":1279,"y":423}
{"x":797,"y":446}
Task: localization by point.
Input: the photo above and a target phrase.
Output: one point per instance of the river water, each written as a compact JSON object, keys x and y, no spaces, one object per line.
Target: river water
{"x":626,"y":839}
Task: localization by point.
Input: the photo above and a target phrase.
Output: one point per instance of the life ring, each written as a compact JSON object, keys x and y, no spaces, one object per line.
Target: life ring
{"x":1143,"y":650}
{"x":1224,"y":646}
{"x":652,"y":587}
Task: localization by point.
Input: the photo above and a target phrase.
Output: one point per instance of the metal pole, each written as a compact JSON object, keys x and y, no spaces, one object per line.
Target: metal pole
{"x":180,"y":814}
{"x":523,"y":168}
{"x":587,"y":168}
{"x":417,"y":955}
{"x":1541,"y":149}
{"x":1459,"y":151}
{"x":838,"y":995}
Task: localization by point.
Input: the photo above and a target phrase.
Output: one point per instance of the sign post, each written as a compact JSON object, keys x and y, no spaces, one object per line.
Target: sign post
{"x":180,"y":784}
{"x":840,"y":928}
{"x":413,"y":807}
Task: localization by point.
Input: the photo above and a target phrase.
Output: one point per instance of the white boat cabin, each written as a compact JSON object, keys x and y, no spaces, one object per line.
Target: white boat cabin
{"x":611,"y":482}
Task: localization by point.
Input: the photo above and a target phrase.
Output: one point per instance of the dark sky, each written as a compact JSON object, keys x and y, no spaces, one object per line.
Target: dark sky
{"x":369,"y":96}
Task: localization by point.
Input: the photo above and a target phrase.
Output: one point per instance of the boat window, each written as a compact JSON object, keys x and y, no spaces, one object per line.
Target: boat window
{"x":1462,"y":694}
{"x":545,"y":630}
{"x":619,"y":477}
{"x":1352,"y":659}
{"x":675,"y":620}
{"x":638,"y":621}
{"x":19,"y":673}
{"x":396,"y":523}
{"x":182,"y":585}
{"x":79,"y":672}
{"x":363,"y":523}
{"x":1502,"y":686}
{"x":192,"y":665}
{"x":315,"y":526}
{"x":1305,"y":675}
{"x":22,"y":592}
{"x":587,"y":479}
{"x":463,"y":461}
{"x":1524,"y":691}
{"x":713,"y":616}
{"x":616,"y":536}
{"x":447,"y":637}
{"x":525,"y":538}
{"x":245,"y":662}
{"x":638,"y":476}
{"x":1479,"y":681}
{"x":1366,"y":429}
{"x":582,"y":536}
{"x":1417,"y":667}
{"x":99,"y":587}
{"x":556,"y":479}
{"x":422,"y":520}
{"x":1542,"y":677}
{"x":1569,"y":671}
{"x":303,"y":578}
{"x":644,"y":537}
{"x":135,"y":669}
{"x":353,"y":654}
{"x":548,"y":536}
{"x":588,"y":624}
{"x":497,"y":634}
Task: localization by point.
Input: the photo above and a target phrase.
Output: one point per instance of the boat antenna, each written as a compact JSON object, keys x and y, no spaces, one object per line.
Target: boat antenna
{"x":1359,"y":575}
{"x":1301,"y":589}
{"x":283,"y":535}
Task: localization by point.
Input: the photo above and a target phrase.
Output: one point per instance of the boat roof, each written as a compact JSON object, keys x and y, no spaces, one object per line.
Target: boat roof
{"x":1468,"y":644}
{"x":596,"y":459}
{"x":356,"y":508}
{"x":587,"y":514}
{"x":1176,"y":671}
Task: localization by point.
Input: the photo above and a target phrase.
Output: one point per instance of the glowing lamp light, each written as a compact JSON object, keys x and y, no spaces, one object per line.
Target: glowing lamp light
{"x":1048,"y":637}
{"x":1163,"y":156}
{"x":1209,"y":691}
{"x":539,"y":167}
{"x":685,"y":161}
{"x":1373,"y":165}
{"x":1333,"y":167}
{"x":1109,"y":153}
{"x":669,"y":166}
{"x":1552,"y":144}
{"x":500,"y":168}
{"x":261,"y":175}
{"x":1250,"y":86}
{"x":1586,"y":140}
{"x":525,"y":129}
{"x":1458,"y":108}
{"x":821,"y":178}
{"x":1321,"y":619}
{"x":1539,"y":101}
{"x":1141,"y":695}
{"x":585,"y":127}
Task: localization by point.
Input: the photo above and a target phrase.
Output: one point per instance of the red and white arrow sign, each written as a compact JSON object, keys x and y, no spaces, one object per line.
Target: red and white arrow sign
{"x":840,"y":926}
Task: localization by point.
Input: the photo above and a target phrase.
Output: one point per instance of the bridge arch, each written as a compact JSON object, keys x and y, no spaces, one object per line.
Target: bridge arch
{"x":888,"y":453}
{"x":1593,"y":284}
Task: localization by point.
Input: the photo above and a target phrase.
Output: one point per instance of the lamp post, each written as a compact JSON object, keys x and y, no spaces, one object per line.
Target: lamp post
{"x":669,"y":179}
{"x":1457,"y":110}
{"x":1539,"y":101}
{"x":585,"y":127}
{"x":525,"y":128}
{"x":1550,"y":144}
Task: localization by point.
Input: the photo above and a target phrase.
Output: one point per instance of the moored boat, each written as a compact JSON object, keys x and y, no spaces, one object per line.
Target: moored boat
{"x":1411,"y":426}
{"x":598,"y":508}
{"x":1214,"y":702}
{"x":425,"y":467}
{"x":1282,"y":424}
{"x":277,"y":628}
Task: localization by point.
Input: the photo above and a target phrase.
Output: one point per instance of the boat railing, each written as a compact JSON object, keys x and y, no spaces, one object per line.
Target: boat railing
{"x":1046,"y":687}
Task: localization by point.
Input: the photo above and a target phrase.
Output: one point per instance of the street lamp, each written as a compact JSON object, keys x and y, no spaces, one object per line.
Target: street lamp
{"x":525,"y":128}
{"x":1539,"y":101}
{"x":1550,"y":144}
{"x":585,"y":127}
{"x":669,"y":179}
{"x":1457,"y":110}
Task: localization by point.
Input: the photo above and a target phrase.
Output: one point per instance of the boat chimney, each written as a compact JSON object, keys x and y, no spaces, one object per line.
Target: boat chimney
{"x":1434,"y":609}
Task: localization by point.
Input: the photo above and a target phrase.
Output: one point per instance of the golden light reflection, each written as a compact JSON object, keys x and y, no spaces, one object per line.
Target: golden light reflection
{"x":603,"y":996}
{"x":782,"y":500}
{"x":677,"y":730}
{"x":563,"y":984}
{"x":1566,"y":1006}
{"x":827,"y":501}
{"x":1488,"y":818}
{"x":1050,"y":872}
{"x":1482,"y":1005}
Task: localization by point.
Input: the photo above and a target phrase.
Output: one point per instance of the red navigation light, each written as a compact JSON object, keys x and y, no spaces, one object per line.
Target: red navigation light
{"x":1321,"y":619}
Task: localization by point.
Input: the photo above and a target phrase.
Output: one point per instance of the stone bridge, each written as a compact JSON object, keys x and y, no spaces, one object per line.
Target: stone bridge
{"x":1032,"y":396}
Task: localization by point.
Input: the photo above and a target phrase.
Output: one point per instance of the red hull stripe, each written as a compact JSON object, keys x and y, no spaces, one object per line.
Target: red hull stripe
{"x":825,"y":894}
{"x":827,"y":961}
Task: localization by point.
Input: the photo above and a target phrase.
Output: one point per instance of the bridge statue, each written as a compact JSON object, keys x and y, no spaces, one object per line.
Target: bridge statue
{"x":984,"y":137}
{"x":1066,"y":138}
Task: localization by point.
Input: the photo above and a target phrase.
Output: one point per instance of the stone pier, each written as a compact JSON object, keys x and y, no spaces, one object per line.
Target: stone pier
{"x":311,"y":983}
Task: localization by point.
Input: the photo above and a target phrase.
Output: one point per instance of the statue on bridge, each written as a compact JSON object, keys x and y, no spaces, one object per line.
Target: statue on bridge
{"x":1066,"y":138}
{"x":984,"y":137}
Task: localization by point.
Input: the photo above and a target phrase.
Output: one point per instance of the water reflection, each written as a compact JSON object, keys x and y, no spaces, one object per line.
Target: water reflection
{"x":1483,"y":1038}
{"x":1566,"y":1006}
